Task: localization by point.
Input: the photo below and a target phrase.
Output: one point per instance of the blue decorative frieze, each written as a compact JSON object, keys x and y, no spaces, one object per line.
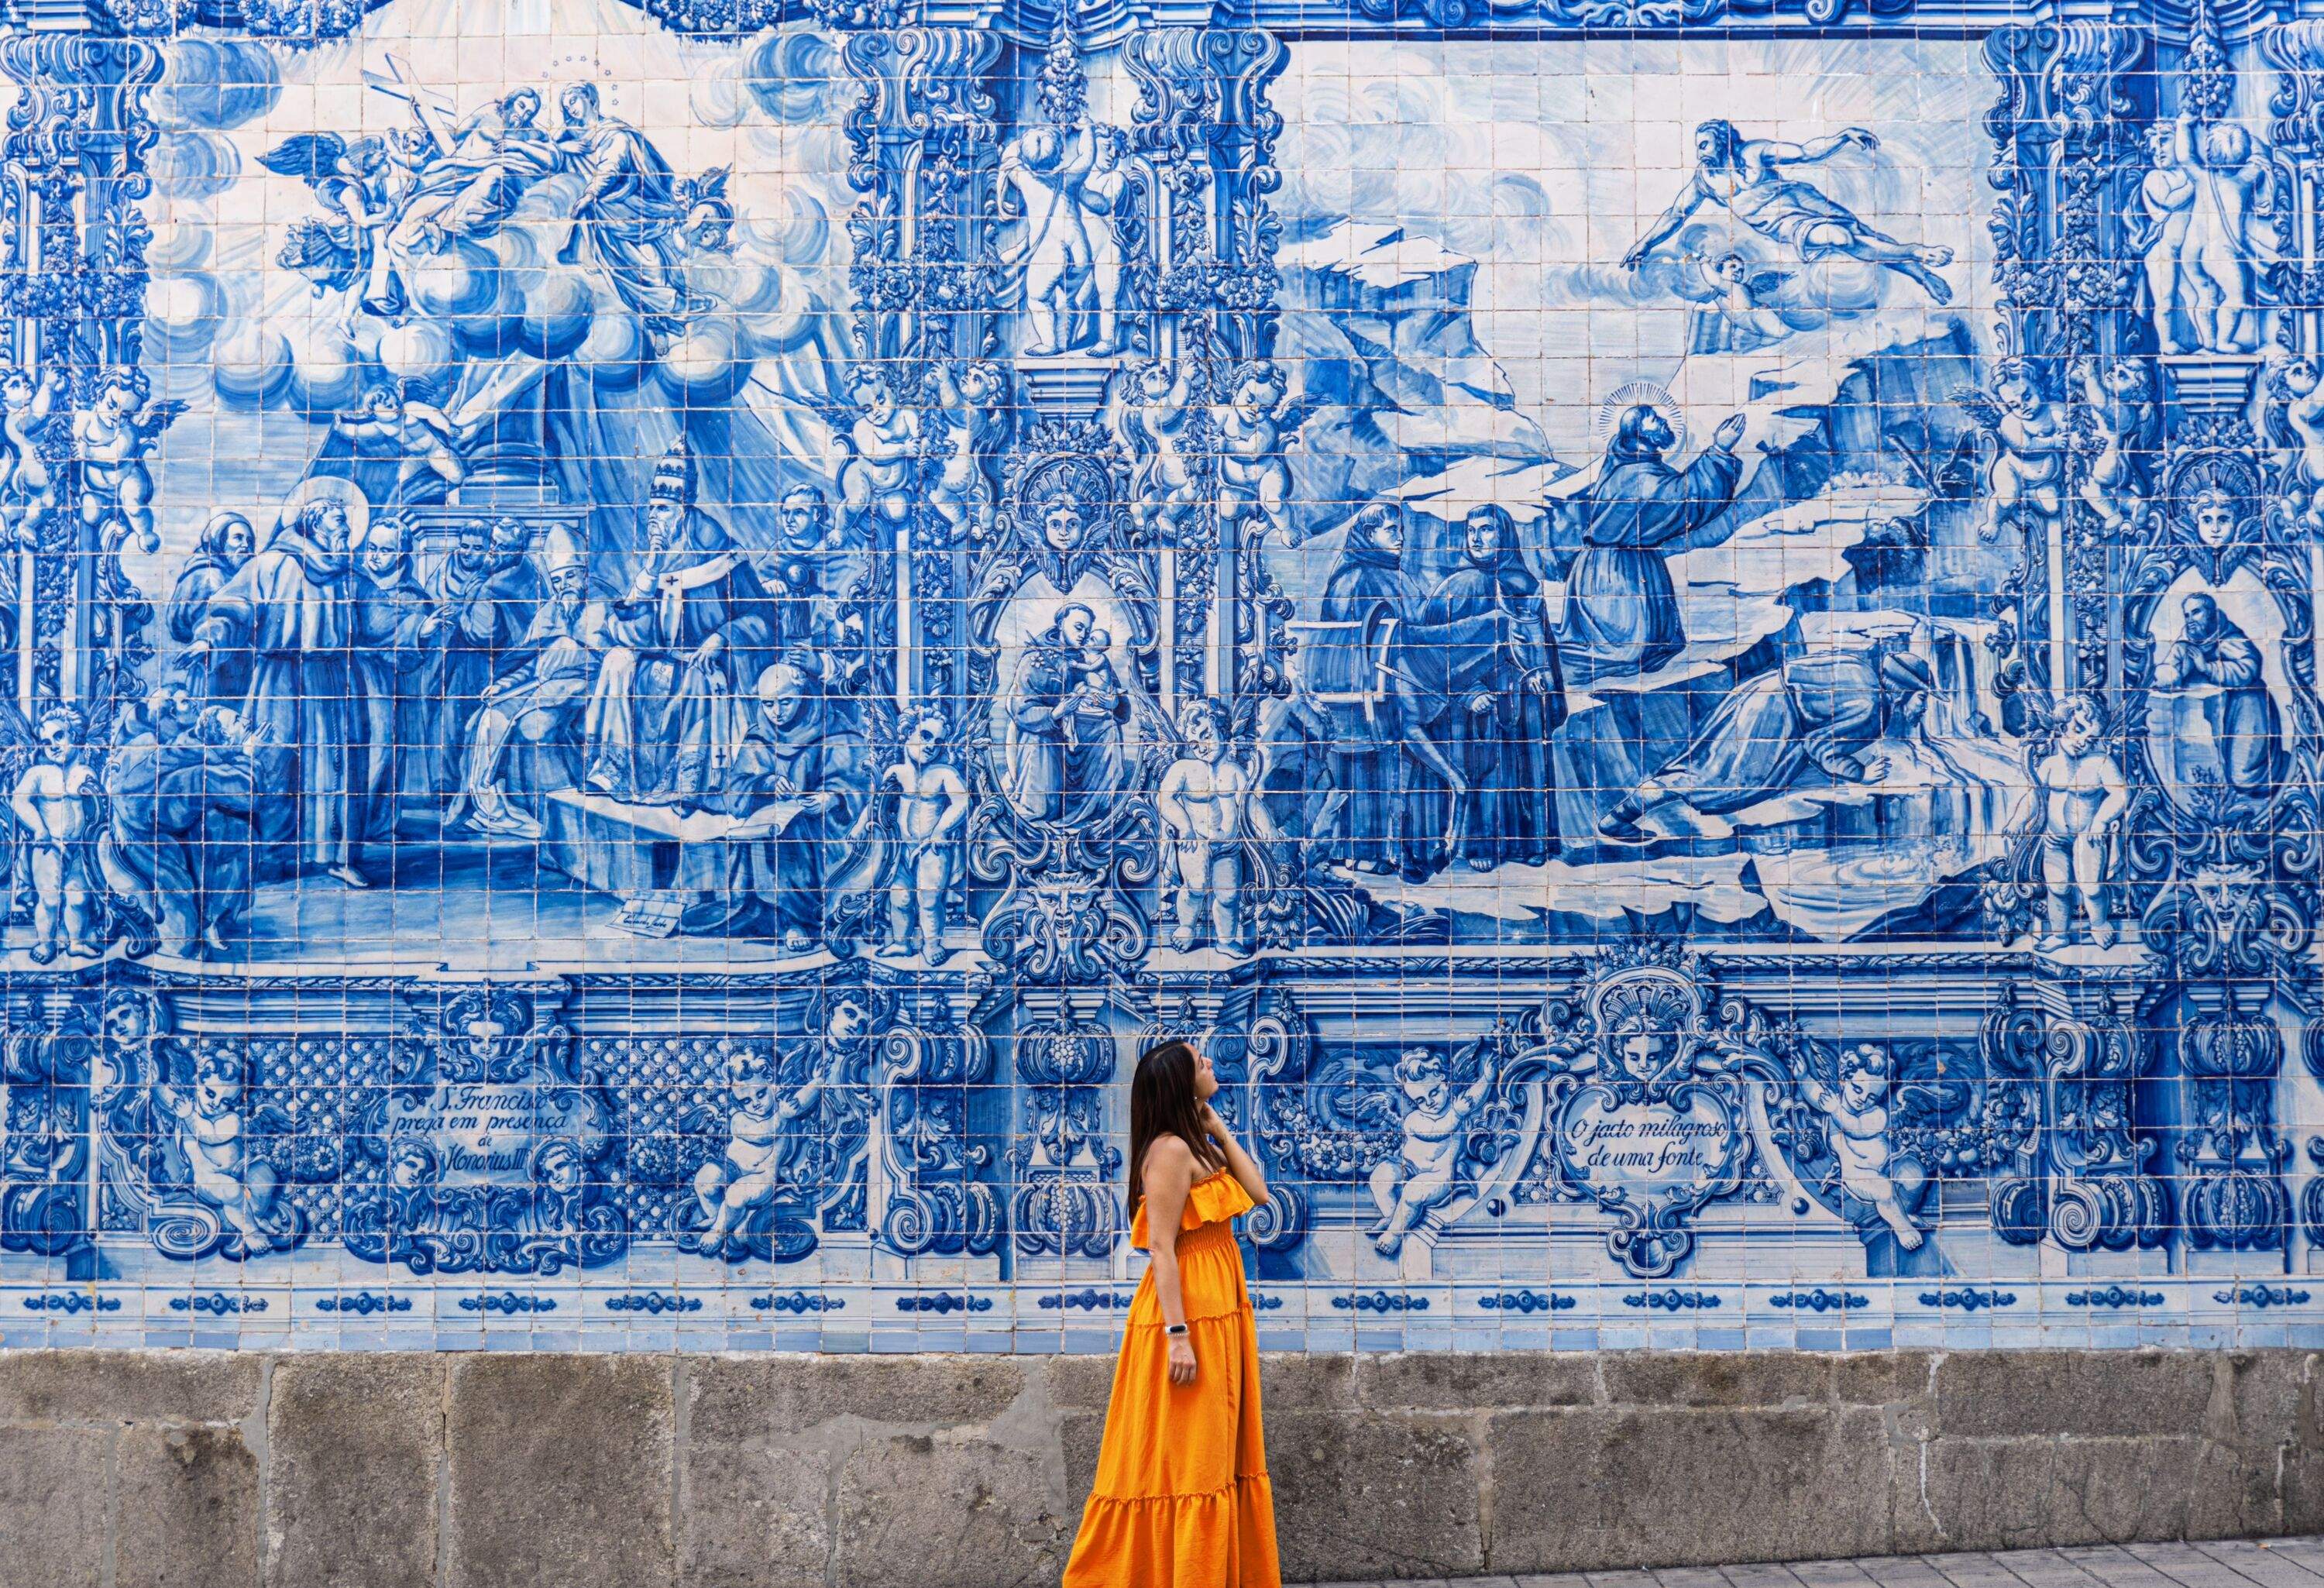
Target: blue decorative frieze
{"x":2261,"y":1296}
{"x":1086,"y":1300}
{"x":71,"y":1302}
{"x":799,"y":1302}
{"x":363,"y":1304}
{"x":2115,"y":1296}
{"x":1526,"y":1301}
{"x":1968,"y":1298}
{"x":1821,"y":1300}
{"x":653,"y":1302}
{"x":1384,"y":1301}
{"x":218,"y":1304}
{"x":1673,"y":1300}
{"x":509,"y":1303}
{"x":943,"y":1303}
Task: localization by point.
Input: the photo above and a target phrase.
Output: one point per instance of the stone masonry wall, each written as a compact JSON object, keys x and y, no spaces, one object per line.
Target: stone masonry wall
{"x":215,"y":1470}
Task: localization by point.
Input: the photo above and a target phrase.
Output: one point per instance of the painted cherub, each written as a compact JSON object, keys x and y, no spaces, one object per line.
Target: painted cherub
{"x":1856,"y":1129}
{"x":1736,"y":319}
{"x":224,"y":1172}
{"x":1153,"y":422}
{"x":1254,"y":480}
{"x":930,"y":803}
{"x":2121,"y":397}
{"x":1426,"y":1173}
{"x":28,"y":486}
{"x":972,"y":406}
{"x":112,"y":438}
{"x":745,"y":1178}
{"x":420,"y":431}
{"x":56,"y":802}
{"x":2029,"y":468}
{"x":886,"y":437}
{"x":2083,"y":797}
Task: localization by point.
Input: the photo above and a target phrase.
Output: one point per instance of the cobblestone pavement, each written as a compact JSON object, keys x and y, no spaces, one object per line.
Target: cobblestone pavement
{"x":2278,"y":1563}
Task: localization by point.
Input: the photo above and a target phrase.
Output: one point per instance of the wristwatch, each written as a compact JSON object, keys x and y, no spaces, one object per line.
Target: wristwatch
{"x":1174,"y":1329}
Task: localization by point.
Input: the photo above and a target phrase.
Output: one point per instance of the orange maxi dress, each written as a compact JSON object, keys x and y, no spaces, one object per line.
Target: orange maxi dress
{"x":1182,"y":1497}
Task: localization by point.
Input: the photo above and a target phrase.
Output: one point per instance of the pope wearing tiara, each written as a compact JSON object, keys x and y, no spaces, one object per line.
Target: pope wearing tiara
{"x":691,"y":633}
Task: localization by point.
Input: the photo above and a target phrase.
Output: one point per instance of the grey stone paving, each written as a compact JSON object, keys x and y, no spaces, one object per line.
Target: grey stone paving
{"x":2274,"y":1563}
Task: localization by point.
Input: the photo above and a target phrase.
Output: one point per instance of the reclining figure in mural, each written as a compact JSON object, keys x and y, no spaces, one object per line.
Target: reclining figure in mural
{"x":414,"y":193}
{"x":1820,"y":712}
{"x":1745,"y":177}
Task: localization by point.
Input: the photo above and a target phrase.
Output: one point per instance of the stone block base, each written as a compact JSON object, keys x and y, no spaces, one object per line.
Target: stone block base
{"x":965,"y":1472}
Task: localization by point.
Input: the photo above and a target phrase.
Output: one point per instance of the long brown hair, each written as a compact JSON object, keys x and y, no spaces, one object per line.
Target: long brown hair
{"x":1162,"y":1103}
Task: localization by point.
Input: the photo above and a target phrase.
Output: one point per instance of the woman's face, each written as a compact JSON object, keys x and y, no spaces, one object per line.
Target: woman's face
{"x":1206,"y":1079}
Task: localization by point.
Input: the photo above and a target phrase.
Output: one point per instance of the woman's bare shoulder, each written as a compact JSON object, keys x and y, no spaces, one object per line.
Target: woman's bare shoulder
{"x":1169,"y":1155}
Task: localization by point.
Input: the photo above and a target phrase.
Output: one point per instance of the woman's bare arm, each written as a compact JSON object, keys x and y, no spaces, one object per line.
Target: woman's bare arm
{"x":1169,"y":1174}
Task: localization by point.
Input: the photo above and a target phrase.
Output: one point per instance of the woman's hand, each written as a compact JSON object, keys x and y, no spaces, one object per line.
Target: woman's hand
{"x":1182,"y":1360}
{"x":1212,"y":1126}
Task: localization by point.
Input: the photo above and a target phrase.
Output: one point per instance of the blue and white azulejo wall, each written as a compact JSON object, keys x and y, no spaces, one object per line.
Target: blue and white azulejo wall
{"x":642,"y":644}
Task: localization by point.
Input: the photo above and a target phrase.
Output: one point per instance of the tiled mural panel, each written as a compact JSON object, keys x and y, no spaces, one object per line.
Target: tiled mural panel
{"x":640,"y":647}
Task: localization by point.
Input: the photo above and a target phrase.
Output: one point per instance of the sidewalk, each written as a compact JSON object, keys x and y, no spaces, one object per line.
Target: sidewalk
{"x":2281,"y":1562}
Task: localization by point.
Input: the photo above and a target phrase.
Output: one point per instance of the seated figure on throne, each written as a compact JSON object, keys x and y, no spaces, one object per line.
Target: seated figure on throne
{"x":529,"y":711}
{"x":666,"y":717}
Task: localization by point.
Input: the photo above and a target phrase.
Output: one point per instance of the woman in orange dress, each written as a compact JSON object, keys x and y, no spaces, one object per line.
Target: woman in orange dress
{"x":1182,"y":1499}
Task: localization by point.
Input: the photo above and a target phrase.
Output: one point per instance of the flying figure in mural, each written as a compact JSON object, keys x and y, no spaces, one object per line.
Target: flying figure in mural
{"x":1154,"y":411}
{"x":1745,"y":177}
{"x":1737,"y":317}
{"x":2121,"y":407}
{"x":1258,"y":418}
{"x":415,"y":433}
{"x":476,"y":173}
{"x":2027,"y":471}
{"x":630,"y":215}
